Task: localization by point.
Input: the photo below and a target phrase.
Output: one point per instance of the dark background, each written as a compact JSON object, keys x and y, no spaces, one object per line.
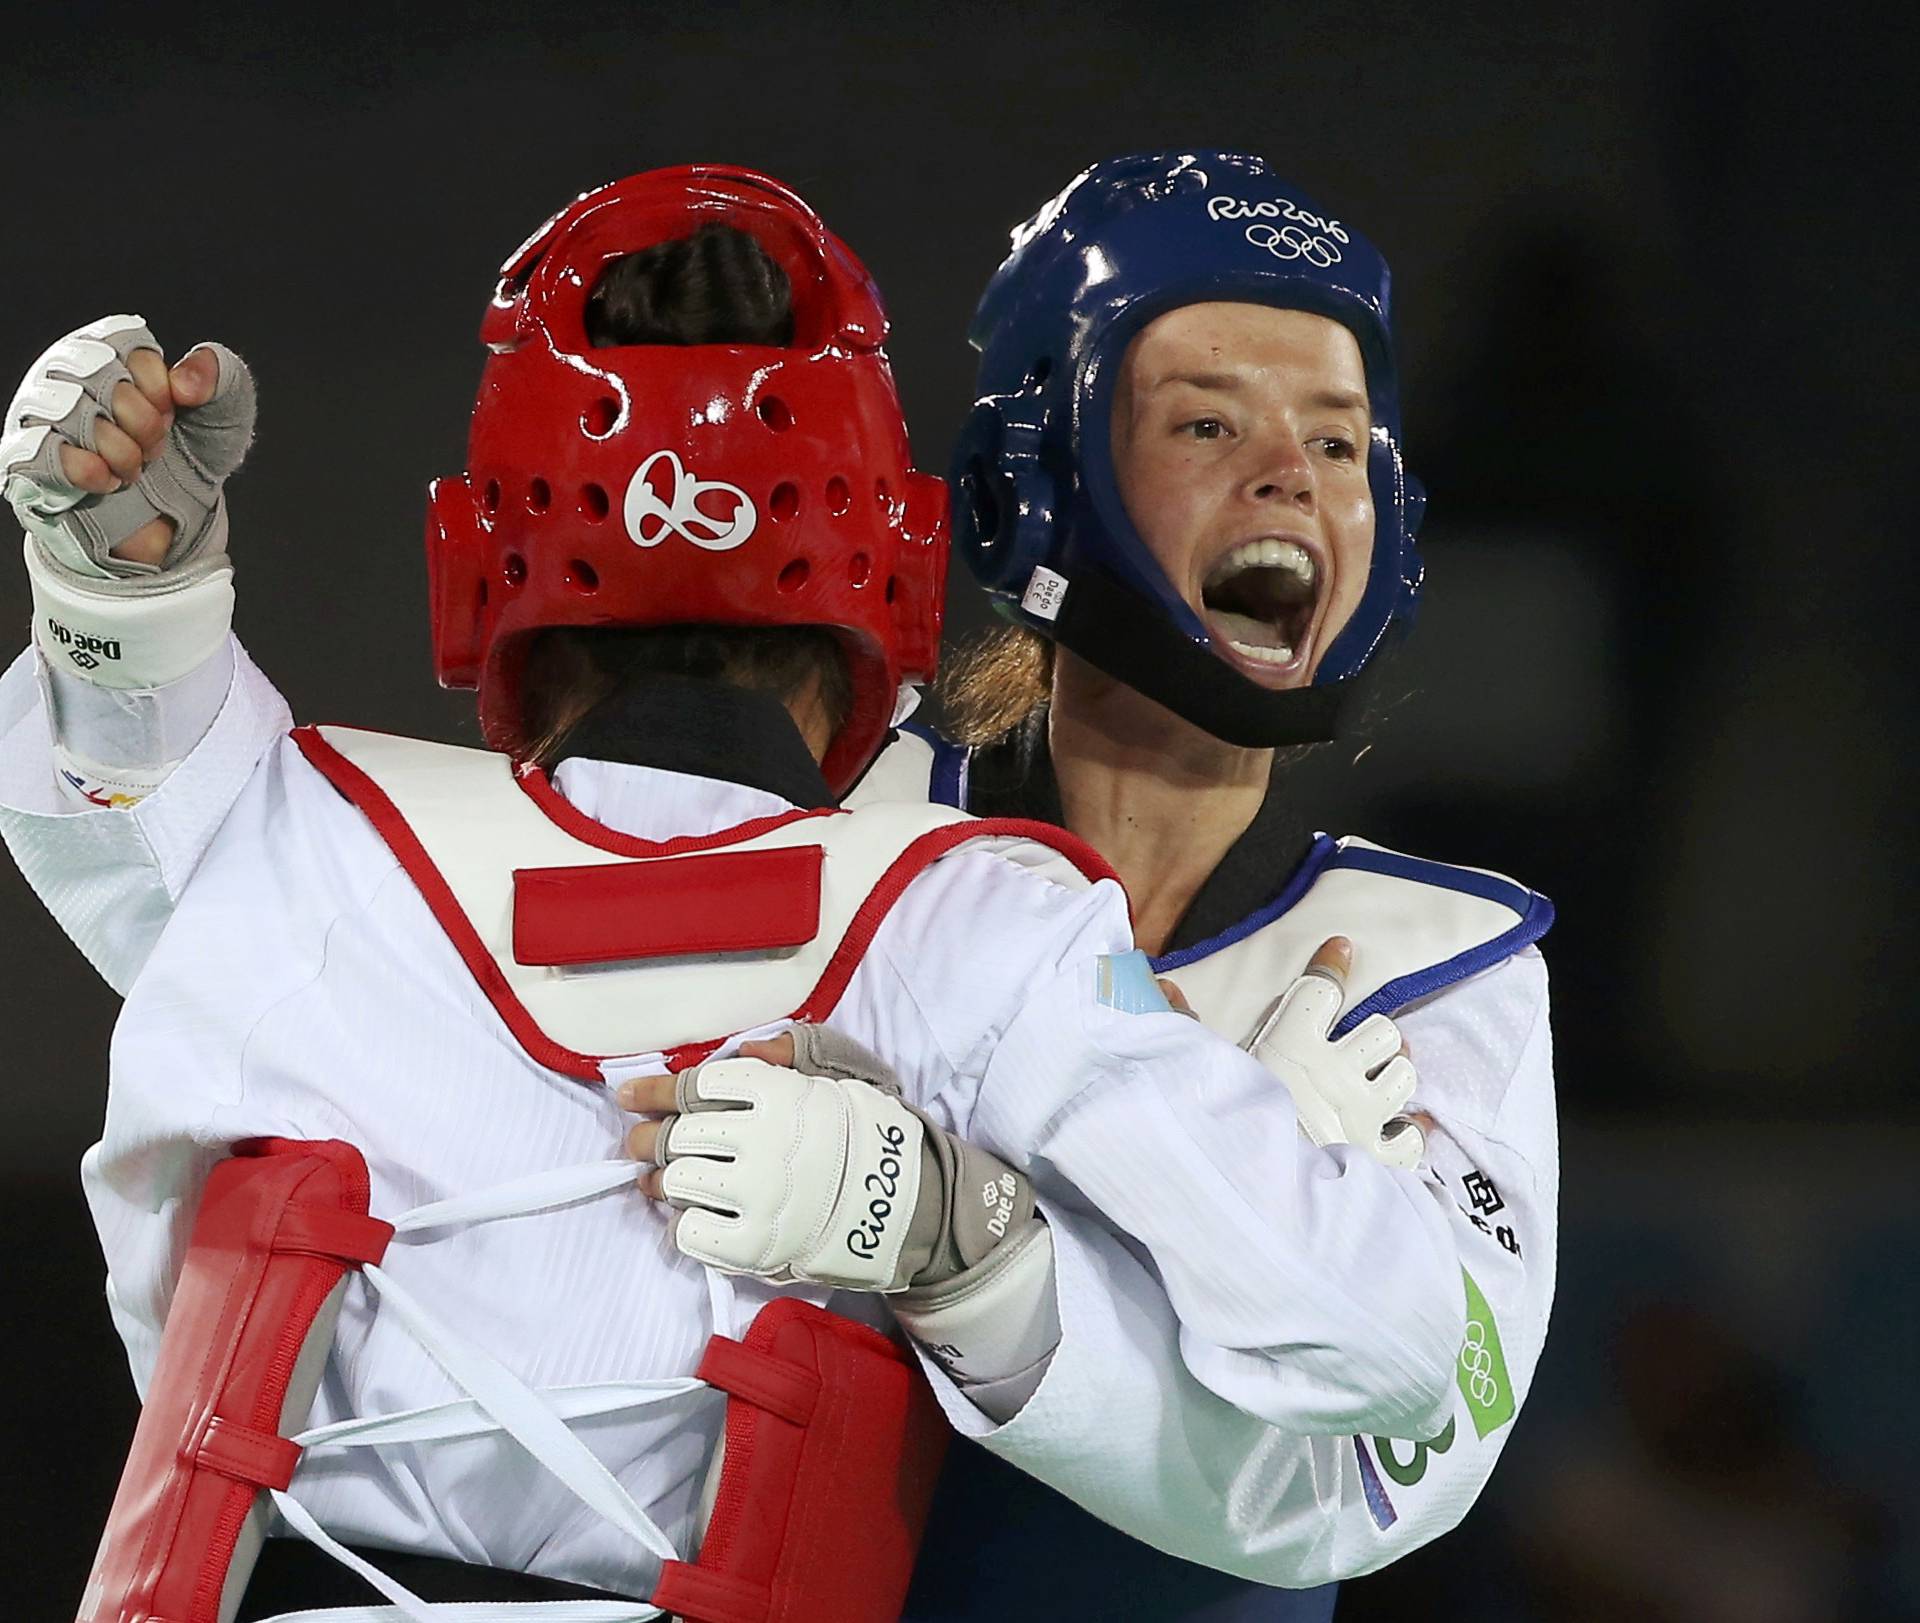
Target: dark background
{"x":1651,"y":265}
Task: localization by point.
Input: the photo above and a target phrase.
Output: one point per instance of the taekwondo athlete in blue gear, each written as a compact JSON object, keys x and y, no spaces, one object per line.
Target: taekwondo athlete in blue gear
{"x":1040,"y":520}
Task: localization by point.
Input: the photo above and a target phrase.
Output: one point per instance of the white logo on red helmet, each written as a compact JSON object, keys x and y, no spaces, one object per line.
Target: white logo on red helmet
{"x":651,"y":512}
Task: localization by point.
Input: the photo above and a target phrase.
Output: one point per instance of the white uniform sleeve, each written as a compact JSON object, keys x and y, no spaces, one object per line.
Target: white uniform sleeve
{"x":1122,"y":1425}
{"x":110,"y":875}
{"x":1316,"y":1289}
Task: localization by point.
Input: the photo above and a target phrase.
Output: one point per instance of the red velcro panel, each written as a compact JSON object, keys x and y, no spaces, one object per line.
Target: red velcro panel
{"x":719,"y":901}
{"x":819,"y":1519}
{"x":250,"y":1289}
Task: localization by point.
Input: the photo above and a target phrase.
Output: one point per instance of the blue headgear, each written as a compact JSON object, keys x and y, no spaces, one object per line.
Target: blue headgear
{"x":1038,"y":515}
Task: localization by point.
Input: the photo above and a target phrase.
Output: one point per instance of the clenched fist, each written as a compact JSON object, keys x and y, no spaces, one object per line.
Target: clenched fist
{"x":114,"y":462}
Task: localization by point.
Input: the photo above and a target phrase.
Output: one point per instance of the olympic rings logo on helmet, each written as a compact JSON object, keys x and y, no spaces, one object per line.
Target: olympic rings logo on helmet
{"x":1290,"y":242}
{"x":1476,"y":1363}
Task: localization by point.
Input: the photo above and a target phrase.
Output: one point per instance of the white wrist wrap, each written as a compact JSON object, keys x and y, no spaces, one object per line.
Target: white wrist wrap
{"x":997,"y":1319}
{"x":116,"y":640}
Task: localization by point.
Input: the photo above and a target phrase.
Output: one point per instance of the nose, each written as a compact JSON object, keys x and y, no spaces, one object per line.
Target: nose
{"x":1284,"y":473}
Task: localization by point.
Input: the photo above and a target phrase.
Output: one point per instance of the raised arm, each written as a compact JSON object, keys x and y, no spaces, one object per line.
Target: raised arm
{"x":131,"y":723}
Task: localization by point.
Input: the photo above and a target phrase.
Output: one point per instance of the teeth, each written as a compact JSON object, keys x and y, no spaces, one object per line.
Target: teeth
{"x":1283,"y":655}
{"x":1269,"y":553}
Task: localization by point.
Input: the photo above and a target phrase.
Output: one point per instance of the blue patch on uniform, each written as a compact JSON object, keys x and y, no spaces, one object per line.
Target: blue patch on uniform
{"x":1124,"y":981}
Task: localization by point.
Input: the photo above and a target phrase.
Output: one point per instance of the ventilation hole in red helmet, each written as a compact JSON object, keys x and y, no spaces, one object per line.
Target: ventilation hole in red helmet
{"x":883,"y":492}
{"x":794,"y":576}
{"x":514,"y":570}
{"x":839,"y":497}
{"x":785,"y":502}
{"x":859,"y":569}
{"x":539,"y":496}
{"x":593,"y":503}
{"x":490,"y":497}
{"x":582,"y":576}
{"x":893,"y":584}
{"x":480,"y":598}
{"x":774,"y":413}
{"x":599,"y":418}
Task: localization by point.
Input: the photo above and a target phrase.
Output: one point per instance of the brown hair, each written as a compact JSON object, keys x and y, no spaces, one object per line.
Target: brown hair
{"x":995,"y":684}
{"x":716,"y":286}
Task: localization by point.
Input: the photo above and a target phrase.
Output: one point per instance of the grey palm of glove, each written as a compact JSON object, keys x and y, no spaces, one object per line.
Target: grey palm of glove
{"x":91,"y":455}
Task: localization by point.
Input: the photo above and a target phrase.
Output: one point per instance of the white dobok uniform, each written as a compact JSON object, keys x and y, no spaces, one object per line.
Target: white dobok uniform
{"x":1447,"y":952}
{"x":283,"y":975}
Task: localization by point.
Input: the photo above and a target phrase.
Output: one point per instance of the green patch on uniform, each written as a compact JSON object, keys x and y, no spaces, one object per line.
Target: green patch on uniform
{"x":1125,"y":981}
{"x":1482,"y":1370}
{"x":1409,"y":1471}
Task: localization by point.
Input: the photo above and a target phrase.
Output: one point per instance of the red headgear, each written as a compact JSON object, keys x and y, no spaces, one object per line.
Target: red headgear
{"x":658,"y":485}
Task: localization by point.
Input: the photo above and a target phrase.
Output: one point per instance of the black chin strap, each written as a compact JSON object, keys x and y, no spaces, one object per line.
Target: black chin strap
{"x":1118,"y":632}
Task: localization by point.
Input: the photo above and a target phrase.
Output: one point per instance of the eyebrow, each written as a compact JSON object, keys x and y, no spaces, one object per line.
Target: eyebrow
{"x":1229,"y":382}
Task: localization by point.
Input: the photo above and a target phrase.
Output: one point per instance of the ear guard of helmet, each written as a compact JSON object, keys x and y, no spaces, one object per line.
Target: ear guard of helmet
{"x":1003,"y":497}
{"x":456,"y":582}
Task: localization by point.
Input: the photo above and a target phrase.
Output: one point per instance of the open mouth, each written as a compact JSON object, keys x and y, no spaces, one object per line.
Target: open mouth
{"x":1260,"y":601}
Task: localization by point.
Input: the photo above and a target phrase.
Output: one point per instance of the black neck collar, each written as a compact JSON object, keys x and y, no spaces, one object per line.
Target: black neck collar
{"x":1014,"y":778}
{"x":706,"y":729}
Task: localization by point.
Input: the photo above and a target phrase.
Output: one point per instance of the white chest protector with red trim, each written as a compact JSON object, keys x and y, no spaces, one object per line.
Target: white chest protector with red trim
{"x":480,"y":839}
{"x":590,"y":945}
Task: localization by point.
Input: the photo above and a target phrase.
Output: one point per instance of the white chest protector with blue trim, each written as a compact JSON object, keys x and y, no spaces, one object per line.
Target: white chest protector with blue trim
{"x":1416,"y":926}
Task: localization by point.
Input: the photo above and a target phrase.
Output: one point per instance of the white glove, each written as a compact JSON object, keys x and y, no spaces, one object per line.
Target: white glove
{"x":1349,"y":1091}
{"x":790,"y":1176}
{"x":819,"y":1172}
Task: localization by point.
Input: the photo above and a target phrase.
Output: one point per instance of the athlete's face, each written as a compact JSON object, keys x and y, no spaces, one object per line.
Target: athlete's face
{"x":1240,"y":438}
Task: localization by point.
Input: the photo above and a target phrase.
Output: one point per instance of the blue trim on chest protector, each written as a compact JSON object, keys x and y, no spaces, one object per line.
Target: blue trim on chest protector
{"x":1536,"y":919}
{"x":1535,"y":911}
{"x":946,"y":784}
{"x":1004,"y":1547}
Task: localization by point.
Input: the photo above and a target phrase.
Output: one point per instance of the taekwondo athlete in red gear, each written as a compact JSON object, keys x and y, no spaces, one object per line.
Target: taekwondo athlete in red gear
{"x":438,"y":960}
{"x":1184,"y":474}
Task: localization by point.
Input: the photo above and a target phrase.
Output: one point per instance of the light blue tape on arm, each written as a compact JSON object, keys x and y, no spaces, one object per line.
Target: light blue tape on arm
{"x":1124,"y":981}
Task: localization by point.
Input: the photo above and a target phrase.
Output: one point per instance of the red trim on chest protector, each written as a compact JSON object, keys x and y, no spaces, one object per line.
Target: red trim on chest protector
{"x":534,"y":783}
{"x":358,"y":787}
{"x":907,"y":867}
{"x":718,"y":901}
